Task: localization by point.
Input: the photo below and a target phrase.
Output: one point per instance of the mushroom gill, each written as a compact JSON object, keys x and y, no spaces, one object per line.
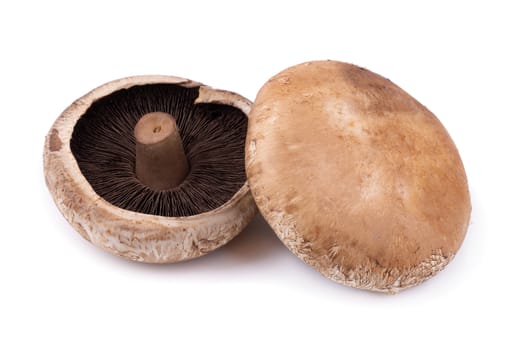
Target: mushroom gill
{"x":212,"y":135}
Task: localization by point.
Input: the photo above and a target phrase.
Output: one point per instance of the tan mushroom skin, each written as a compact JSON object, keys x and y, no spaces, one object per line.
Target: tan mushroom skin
{"x":355,"y":176}
{"x":138,"y":236}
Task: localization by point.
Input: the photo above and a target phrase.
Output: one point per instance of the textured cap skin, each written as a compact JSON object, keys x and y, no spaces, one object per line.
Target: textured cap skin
{"x":137,"y":236}
{"x":355,"y":176}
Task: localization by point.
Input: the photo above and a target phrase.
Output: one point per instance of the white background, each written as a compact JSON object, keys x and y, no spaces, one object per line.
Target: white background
{"x":464,"y":61}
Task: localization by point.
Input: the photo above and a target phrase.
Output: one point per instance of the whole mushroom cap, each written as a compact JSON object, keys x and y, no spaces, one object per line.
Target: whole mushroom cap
{"x":356,"y":177}
{"x":137,"y":235}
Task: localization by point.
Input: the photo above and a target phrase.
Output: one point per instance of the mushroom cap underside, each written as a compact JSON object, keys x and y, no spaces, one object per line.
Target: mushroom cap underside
{"x":134,"y":235}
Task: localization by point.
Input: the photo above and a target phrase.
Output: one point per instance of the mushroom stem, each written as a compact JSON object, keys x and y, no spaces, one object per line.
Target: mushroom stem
{"x":160,"y":162}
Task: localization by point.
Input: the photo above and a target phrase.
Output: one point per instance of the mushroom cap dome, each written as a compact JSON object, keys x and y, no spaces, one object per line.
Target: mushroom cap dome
{"x":135,"y":235}
{"x":355,"y":176}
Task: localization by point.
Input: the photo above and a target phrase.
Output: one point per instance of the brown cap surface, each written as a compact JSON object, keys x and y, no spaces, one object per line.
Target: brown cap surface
{"x":355,"y":176}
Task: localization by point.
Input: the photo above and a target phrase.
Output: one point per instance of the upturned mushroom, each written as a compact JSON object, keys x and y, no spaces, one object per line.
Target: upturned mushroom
{"x":356,"y":177}
{"x":151,"y":168}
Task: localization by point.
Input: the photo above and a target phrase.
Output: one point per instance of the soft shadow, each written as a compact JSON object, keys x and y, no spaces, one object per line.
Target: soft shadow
{"x":257,"y":244}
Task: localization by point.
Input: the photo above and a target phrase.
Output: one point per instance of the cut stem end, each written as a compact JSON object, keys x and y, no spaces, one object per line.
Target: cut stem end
{"x":160,"y":162}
